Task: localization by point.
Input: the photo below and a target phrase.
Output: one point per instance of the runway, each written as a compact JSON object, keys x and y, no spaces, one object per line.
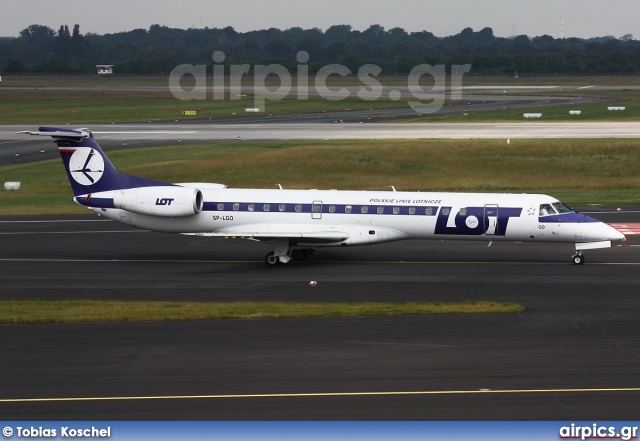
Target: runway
{"x":572,"y":355}
{"x":309,"y":131}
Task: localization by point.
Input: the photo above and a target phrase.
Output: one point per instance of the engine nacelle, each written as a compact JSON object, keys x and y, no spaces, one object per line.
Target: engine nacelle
{"x":164,"y":201}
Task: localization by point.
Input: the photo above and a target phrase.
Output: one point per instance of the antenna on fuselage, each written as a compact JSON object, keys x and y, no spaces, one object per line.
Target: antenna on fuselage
{"x":279,"y":185}
{"x":392,"y":187}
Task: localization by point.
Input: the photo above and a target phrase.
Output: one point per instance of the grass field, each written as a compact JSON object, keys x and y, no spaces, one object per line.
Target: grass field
{"x":32,"y":103}
{"x":552,"y":80}
{"x":579,"y":172}
{"x":75,"y":311}
{"x":54,"y":106}
{"x":590,"y":113}
{"x":46,"y":100}
{"x":399,"y":80}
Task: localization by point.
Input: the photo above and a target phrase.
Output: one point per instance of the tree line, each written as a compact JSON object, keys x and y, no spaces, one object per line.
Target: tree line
{"x":156,"y":51}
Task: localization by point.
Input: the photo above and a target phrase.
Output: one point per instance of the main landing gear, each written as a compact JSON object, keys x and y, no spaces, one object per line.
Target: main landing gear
{"x":296,"y":254}
{"x":271,"y":259}
{"x":578,"y":258}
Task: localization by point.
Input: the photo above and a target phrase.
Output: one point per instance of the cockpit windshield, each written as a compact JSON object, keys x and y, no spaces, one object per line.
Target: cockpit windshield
{"x":555,"y":208}
{"x":546,"y":210}
{"x":562,"y":208}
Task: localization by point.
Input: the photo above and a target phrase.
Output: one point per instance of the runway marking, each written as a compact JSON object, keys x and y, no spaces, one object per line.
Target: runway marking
{"x":126,"y":261}
{"x":13,"y":142}
{"x":628,"y":228}
{"x":341,"y":262}
{"x":321,"y":394}
{"x":401,"y":344}
{"x":609,"y":212}
{"x":73,"y":232}
{"x":153,"y":132}
{"x":53,"y":221}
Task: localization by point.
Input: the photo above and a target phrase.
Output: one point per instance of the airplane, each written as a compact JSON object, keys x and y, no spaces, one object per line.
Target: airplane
{"x":299,"y":222}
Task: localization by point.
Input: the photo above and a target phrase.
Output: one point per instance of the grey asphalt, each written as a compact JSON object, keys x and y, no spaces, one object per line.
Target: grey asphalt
{"x":573,"y":354}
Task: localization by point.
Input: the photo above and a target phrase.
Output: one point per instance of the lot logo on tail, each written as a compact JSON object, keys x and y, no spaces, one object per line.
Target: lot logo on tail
{"x":86,"y":166}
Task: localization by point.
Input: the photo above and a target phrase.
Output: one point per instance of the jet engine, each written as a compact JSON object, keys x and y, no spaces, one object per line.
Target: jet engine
{"x":163,"y":201}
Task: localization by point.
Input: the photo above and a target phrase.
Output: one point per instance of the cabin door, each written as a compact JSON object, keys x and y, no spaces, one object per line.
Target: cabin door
{"x":491,"y":220}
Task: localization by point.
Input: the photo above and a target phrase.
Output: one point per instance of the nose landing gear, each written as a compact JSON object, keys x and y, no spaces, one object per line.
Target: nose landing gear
{"x":578,"y":258}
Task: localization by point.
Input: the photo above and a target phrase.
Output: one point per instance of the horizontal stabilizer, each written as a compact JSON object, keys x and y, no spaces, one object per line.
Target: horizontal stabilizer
{"x":67,"y":134}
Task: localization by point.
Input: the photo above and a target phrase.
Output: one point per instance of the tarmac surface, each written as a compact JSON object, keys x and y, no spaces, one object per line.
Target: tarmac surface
{"x":573,"y":354}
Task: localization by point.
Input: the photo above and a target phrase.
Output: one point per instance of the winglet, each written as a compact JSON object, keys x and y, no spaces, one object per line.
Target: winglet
{"x":75,"y":134}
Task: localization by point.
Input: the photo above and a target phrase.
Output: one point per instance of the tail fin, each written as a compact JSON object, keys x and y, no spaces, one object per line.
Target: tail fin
{"x":88,"y":168}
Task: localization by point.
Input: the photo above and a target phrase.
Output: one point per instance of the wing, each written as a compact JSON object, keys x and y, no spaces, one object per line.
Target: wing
{"x":306,"y":237}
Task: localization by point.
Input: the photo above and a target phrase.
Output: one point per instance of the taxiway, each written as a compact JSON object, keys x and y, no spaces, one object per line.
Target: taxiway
{"x":572,"y":355}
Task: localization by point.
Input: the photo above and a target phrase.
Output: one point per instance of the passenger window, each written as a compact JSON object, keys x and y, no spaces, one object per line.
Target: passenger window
{"x":380,"y":210}
{"x":463,"y":212}
{"x":282,"y":207}
{"x":364,"y":209}
{"x":236,"y":206}
{"x":251,"y":207}
{"x":220,"y":207}
{"x":347,"y":209}
{"x":429,"y":211}
{"x":412,"y":210}
{"x":298,"y":208}
{"x":445,"y":211}
{"x":396,"y":210}
{"x":266,"y":207}
{"x":332,"y":208}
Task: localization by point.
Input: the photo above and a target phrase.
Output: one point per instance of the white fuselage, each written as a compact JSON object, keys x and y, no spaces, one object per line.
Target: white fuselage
{"x":369,"y":217}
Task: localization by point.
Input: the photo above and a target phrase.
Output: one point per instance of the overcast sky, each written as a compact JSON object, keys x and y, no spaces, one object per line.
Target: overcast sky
{"x":583,"y":18}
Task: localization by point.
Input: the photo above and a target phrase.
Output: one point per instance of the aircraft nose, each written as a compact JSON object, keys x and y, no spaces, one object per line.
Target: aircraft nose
{"x":615,"y":234}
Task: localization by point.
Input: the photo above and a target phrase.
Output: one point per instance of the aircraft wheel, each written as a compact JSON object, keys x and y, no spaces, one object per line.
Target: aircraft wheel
{"x":271,"y":259}
{"x":578,"y":259}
